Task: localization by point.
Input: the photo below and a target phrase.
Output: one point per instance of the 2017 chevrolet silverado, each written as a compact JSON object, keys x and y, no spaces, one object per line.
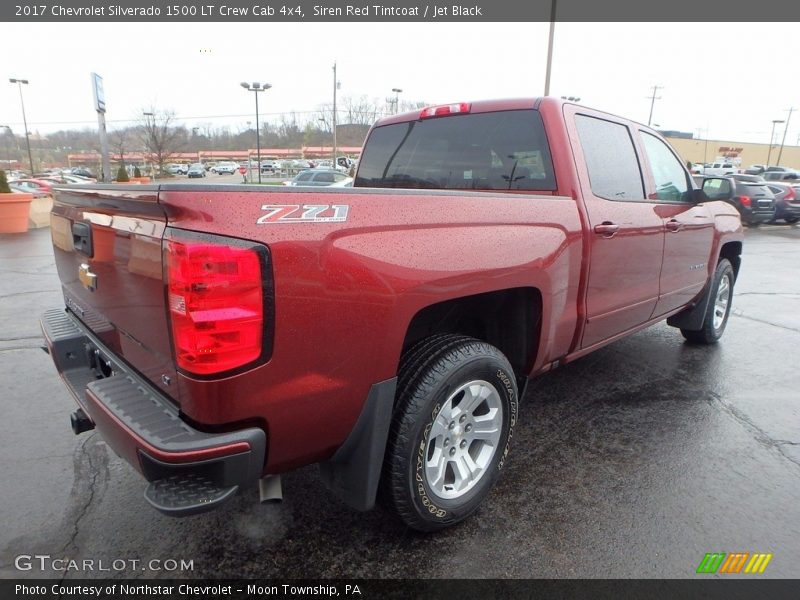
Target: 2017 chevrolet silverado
{"x":220,"y":335}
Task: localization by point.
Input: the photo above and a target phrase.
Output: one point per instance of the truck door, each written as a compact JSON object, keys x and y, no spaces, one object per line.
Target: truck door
{"x":626,"y":234}
{"x":689,"y":227}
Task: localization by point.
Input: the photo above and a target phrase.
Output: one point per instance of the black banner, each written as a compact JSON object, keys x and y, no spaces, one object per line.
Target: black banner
{"x":369,"y":589}
{"x":243,"y":11}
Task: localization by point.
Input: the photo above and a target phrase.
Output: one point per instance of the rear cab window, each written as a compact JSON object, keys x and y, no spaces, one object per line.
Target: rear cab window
{"x":502,"y":150}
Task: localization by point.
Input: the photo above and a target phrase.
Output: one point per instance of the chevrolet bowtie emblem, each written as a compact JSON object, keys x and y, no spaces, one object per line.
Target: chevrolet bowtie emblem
{"x":87,"y":278}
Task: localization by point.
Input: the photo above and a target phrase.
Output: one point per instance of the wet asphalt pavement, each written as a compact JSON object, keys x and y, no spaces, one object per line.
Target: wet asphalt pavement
{"x":632,"y":462}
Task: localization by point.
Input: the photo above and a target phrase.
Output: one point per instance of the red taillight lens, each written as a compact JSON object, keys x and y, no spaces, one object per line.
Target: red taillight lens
{"x":444,"y":109}
{"x":745,"y":201}
{"x":216,"y":305}
{"x":791,"y":194}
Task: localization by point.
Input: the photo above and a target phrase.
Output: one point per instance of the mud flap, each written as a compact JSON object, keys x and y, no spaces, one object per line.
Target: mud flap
{"x":354,"y":471}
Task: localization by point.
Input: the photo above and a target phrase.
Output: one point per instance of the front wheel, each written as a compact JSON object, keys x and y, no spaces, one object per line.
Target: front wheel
{"x":719,"y":306}
{"x":453,"y":420}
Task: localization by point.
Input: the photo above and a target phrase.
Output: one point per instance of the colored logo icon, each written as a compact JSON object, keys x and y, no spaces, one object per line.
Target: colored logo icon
{"x":734,"y":563}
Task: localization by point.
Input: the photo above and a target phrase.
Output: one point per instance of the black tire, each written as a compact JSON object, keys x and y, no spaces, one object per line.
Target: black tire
{"x":437,"y":373}
{"x":791,"y":220}
{"x":710,"y":333}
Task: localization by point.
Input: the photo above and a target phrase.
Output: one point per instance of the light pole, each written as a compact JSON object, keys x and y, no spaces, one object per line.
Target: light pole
{"x":333,"y":129}
{"x":771,"y":137}
{"x":256,"y":87}
{"x":397,"y":92}
{"x":550,"y":48}
{"x":194,"y":136}
{"x":20,"y":83}
{"x":150,"y":131}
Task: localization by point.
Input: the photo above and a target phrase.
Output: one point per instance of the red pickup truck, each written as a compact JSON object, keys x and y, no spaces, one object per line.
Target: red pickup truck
{"x":220,"y":335}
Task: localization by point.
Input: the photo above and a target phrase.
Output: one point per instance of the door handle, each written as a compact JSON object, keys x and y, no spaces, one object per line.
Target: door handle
{"x":606,"y":228}
{"x":673,"y":225}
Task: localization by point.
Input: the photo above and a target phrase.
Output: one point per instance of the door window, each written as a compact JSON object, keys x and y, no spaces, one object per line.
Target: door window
{"x":614,"y":172}
{"x":672,"y":183}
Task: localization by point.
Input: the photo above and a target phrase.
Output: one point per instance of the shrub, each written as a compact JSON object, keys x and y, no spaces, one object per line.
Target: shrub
{"x":4,"y":189}
{"x":136,"y":172}
{"x":122,"y":174}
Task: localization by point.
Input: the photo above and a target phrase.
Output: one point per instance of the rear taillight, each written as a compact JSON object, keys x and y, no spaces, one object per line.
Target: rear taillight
{"x":745,"y":201}
{"x":791,"y":194}
{"x":216,"y":303}
{"x":444,"y":109}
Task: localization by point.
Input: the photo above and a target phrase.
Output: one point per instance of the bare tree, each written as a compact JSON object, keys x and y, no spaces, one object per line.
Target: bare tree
{"x":160,"y":136}
{"x":119,"y":140}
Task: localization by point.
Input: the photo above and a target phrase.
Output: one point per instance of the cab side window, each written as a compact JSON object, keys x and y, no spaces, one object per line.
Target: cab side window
{"x":669,"y":175}
{"x":614,"y":172}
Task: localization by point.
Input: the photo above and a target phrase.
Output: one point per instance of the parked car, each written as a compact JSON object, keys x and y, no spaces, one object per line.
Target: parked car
{"x":196,"y":170}
{"x":177,"y":169}
{"x":226,"y":168}
{"x":270,"y":166}
{"x":754,"y":200}
{"x":720,"y":168}
{"x":81,"y":172}
{"x":36,"y":184}
{"x":781,"y":175}
{"x":317,"y":177}
{"x":755,"y":169}
{"x":26,"y":190}
{"x":787,"y":201}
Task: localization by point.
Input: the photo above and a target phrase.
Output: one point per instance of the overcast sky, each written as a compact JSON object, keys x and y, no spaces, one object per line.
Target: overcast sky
{"x":731,"y":79}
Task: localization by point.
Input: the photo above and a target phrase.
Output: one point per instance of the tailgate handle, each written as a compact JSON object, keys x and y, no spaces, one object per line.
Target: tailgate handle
{"x":82,"y":238}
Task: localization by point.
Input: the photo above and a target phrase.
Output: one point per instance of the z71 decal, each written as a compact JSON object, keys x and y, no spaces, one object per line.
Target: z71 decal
{"x":308,"y":213}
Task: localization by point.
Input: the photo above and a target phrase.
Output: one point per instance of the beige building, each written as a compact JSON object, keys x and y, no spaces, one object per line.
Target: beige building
{"x":705,"y":151}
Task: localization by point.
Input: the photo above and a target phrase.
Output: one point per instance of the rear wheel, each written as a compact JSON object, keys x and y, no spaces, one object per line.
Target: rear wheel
{"x":719,"y":307}
{"x":453,"y":420}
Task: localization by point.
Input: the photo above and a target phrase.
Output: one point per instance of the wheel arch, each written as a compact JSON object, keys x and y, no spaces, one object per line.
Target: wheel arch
{"x":509,"y":319}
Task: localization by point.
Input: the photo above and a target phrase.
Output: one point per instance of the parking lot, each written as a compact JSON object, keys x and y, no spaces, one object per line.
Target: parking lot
{"x":633,"y":462}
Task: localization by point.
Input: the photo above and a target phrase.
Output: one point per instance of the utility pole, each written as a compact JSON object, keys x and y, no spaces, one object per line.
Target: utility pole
{"x":785,"y":129}
{"x":550,"y":48}
{"x":653,"y":99}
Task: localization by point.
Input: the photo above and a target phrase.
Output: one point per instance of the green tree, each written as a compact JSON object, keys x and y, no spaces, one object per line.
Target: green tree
{"x":136,"y":172}
{"x":4,"y":189}
{"x":122,"y":174}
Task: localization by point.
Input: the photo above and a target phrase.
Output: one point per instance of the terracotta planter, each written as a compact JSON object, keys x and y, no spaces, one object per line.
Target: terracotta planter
{"x":14,"y":210}
{"x":140,"y":180}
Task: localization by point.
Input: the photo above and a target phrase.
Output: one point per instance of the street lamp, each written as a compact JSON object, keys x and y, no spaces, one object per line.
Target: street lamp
{"x":397,"y":92}
{"x":256,"y":87}
{"x":771,"y":137}
{"x":20,"y":83}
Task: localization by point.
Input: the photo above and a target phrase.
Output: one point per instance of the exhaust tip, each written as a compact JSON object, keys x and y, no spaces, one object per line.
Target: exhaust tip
{"x":80,"y":422}
{"x":269,"y":488}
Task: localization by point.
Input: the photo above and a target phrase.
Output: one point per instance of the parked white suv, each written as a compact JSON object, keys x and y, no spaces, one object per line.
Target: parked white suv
{"x":719,"y":169}
{"x":225,"y":167}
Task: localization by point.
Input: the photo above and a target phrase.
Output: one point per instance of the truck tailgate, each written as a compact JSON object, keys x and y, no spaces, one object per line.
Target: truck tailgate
{"x":107,"y":246}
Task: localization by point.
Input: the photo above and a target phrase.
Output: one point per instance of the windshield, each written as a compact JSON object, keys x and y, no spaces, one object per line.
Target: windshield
{"x":504,"y":150}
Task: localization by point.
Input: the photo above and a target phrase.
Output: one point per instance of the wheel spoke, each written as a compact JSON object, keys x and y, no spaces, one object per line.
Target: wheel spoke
{"x":464,"y":473}
{"x":474,"y":396}
{"x":435,"y":469}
